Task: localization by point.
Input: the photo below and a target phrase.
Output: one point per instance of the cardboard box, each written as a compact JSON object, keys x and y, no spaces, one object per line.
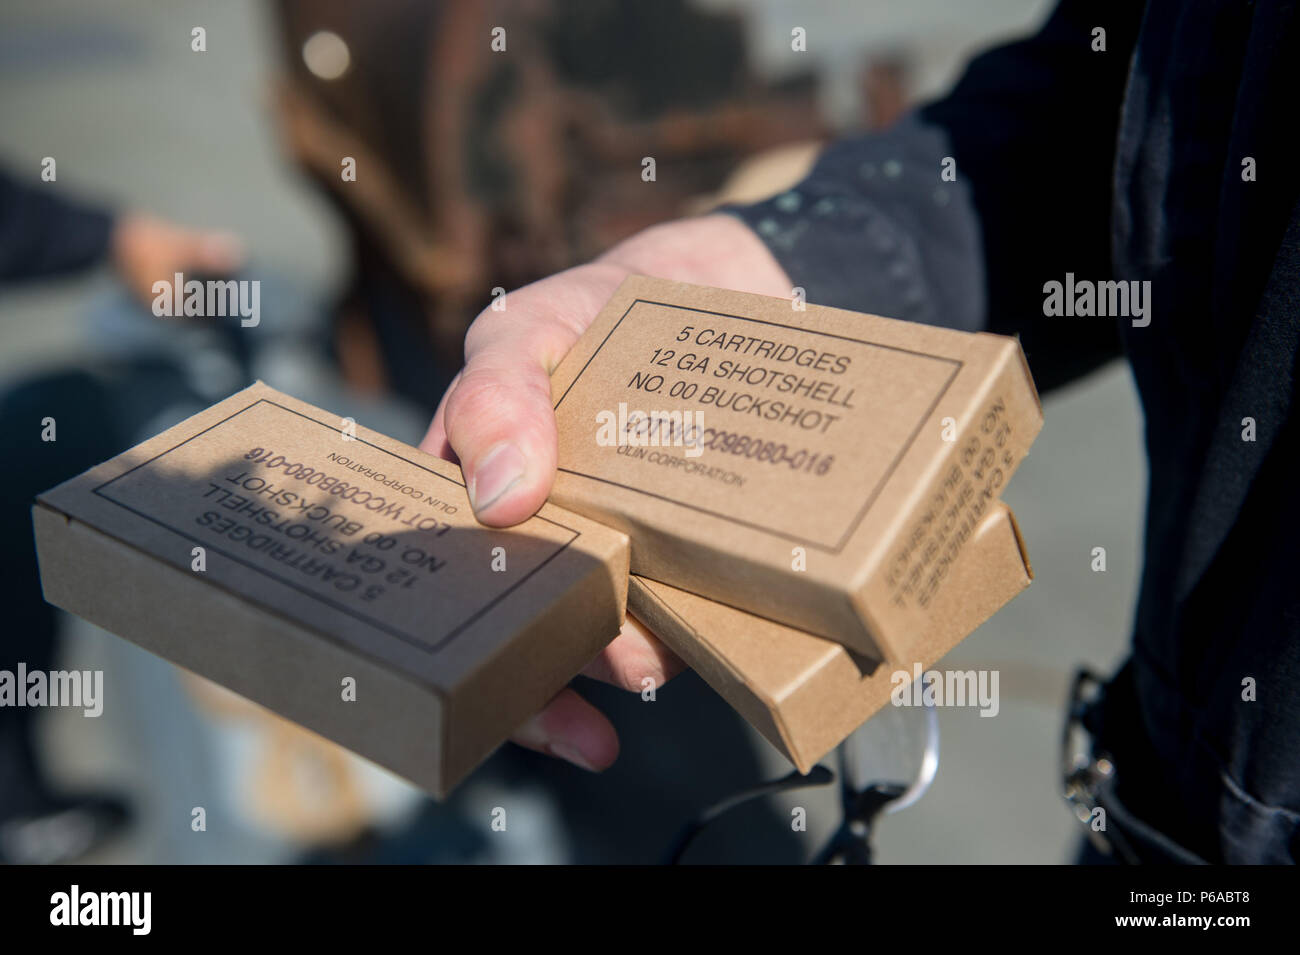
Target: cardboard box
{"x":806,"y":694}
{"x":820,"y":468}
{"x":334,"y":566}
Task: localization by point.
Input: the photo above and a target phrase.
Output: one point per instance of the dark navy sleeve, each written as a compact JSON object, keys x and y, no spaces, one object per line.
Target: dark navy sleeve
{"x":1030,"y":133}
{"x":42,"y":234}
{"x":874,"y":228}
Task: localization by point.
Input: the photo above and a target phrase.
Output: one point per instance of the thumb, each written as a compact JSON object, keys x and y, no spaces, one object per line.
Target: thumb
{"x":500,"y":424}
{"x":497,"y":419}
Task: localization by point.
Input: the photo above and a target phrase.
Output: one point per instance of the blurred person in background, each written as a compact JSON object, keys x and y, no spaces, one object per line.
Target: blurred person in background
{"x":44,"y":234}
{"x":1146,"y":144}
{"x":478,"y":168}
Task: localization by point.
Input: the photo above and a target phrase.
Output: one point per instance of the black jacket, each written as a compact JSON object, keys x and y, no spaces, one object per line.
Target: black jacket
{"x":42,"y":234}
{"x":1130,"y":163}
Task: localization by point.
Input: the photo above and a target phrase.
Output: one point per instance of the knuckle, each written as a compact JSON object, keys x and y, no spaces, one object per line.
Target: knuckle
{"x":479,"y":332}
{"x":479,"y":394}
{"x":628,"y":673}
{"x":492,"y":402}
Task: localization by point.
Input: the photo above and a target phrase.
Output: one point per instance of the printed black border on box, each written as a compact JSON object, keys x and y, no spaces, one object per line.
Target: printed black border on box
{"x":871,"y":499}
{"x":431,"y":648}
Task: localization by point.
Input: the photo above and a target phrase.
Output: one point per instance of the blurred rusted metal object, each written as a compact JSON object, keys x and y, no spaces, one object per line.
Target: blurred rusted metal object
{"x":479,"y":169}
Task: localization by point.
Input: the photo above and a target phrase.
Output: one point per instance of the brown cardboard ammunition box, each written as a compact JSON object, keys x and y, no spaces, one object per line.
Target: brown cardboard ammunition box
{"x":806,"y":694}
{"x":817,"y":467}
{"x":342,"y":580}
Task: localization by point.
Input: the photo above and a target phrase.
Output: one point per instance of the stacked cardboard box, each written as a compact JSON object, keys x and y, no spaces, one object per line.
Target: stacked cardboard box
{"x":811,"y":499}
{"x":812,"y":495}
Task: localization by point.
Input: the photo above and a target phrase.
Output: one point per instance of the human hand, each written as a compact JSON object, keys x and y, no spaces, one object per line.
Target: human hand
{"x":497,"y":420}
{"x":146,"y":250}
